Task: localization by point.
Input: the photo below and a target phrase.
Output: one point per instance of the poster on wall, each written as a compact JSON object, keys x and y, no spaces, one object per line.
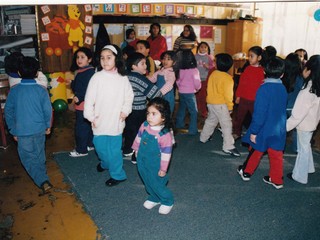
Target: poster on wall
{"x":62,"y":30}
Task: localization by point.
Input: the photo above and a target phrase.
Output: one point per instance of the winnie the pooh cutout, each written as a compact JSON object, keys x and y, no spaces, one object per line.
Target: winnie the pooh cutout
{"x":74,"y":26}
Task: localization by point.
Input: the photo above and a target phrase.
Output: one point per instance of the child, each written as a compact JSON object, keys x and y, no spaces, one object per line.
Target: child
{"x":107,"y":104}
{"x":204,"y":64}
{"x":28,"y":114}
{"x":143,"y":89}
{"x":153,"y":155}
{"x":143,"y":47}
{"x":250,"y":80}
{"x":303,"y":55}
{"x":81,"y":63}
{"x":188,"y":83}
{"x":165,"y":78}
{"x":267,"y":131}
{"x":220,"y":104}
{"x":305,"y":118}
{"x":11,"y":65}
{"x":130,"y":39}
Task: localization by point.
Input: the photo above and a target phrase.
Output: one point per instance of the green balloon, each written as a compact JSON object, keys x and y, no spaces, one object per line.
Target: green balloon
{"x":60,"y":105}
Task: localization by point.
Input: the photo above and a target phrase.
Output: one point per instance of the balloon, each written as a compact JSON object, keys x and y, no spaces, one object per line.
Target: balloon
{"x":317,"y":15}
{"x":60,"y":105}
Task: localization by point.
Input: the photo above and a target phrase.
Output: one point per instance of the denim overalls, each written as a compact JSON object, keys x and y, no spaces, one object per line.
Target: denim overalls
{"x":169,"y":96}
{"x":148,"y":161}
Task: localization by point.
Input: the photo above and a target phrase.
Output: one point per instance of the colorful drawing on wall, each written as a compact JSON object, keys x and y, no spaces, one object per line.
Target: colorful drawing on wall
{"x":62,"y":30}
{"x":146,"y":8}
{"x":190,"y":9}
{"x":135,"y":8}
{"x":206,"y":32}
{"x":200,"y":10}
{"x":87,"y":8}
{"x":109,"y":8}
{"x":169,"y":9}
{"x":158,"y":9}
{"x":122,"y":8}
{"x":179,"y":9}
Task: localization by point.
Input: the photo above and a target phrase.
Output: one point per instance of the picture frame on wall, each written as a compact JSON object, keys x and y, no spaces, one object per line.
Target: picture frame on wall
{"x":158,"y":9}
{"x":169,"y":9}
{"x":109,"y":8}
{"x":179,"y":9}
{"x":189,"y":9}
{"x":122,"y":8}
{"x":146,"y":8}
{"x":135,"y":8}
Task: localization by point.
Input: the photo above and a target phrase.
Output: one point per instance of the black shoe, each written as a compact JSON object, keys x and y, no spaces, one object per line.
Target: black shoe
{"x":99,"y":168}
{"x":289,"y":175}
{"x":134,"y":159}
{"x":245,"y":176}
{"x":113,"y":182}
{"x":267,"y":180}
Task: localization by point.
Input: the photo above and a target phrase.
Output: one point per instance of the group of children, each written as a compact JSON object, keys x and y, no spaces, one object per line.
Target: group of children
{"x":121,"y":110}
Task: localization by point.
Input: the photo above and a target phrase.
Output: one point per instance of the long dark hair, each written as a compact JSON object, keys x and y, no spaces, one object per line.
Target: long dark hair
{"x":313,"y":65}
{"x":119,"y":63}
{"x":192,"y":35}
{"x":292,"y":71}
{"x":184,"y":59}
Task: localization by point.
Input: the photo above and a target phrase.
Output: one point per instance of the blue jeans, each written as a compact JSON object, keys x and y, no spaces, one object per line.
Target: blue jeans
{"x":187,"y":102}
{"x":32,"y":154}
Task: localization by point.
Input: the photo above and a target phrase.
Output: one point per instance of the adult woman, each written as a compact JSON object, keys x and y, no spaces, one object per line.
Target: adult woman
{"x":187,"y":39}
{"x":158,"y":43}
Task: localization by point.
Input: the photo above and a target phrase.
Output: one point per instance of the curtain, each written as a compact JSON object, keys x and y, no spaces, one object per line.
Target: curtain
{"x":290,"y":25}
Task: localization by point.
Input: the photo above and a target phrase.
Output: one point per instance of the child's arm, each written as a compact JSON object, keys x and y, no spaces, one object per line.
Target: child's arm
{"x":153,"y":78}
{"x":170,"y":78}
{"x":197,"y":80}
{"x":165,"y":143}
{"x":228,"y":93}
{"x":127,"y":104}
{"x":136,"y":144}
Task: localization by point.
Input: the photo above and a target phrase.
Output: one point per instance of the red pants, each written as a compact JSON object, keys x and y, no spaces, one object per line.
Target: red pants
{"x":201,"y":99}
{"x":275,"y":161}
{"x":245,"y":106}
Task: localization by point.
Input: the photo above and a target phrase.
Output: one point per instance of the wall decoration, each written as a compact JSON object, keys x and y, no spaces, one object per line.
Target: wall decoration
{"x":169,"y":9}
{"x":109,"y":8}
{"x":206,"y":32}
{"x":135,"y":8}
{"x":200,"y":10}
{"x":87,"y":8}
{"x":158,"y":9}
{"x":45,"y":9}
{"x":146,"y":8}
{"x":190,"y":9}
{"x":88,"y":19}
{"x":122,"y":8}
{"x":179,"y":9}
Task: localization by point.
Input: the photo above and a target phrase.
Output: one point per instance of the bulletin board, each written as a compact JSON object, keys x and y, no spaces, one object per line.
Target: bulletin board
{"x":62,"y":29}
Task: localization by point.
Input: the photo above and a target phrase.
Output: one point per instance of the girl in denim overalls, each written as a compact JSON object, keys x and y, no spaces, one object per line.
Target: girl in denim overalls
{"x":153,"y":147}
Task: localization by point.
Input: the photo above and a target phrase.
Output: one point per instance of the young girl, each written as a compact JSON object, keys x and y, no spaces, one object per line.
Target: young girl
{"x":153,"y":156}
{"x":305,"y":117}
{"x":130,"y":39}
{"x":204,"y":64}
{"x":81,"y":65}
{"x":108,"y":102}
{"x":250,"y":81}
{"x":165,"y":78}
{"x":188,"y":83}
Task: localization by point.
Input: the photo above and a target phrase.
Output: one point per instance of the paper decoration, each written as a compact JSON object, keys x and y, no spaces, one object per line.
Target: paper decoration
{"x":88,"y":19}
{"x":88,"y":30}
{"x":146,"y":8}
{"x":108,"y":8}
{"x":45,"y":9}
{"x":135,"y":8}
{"x":190,"y":9}
{"x":169,"y":9}
{"x":179,"y":9}
{"x":45,"y":37}
{"x":200,"y":10}
{"x":87,"y":7}
{"x":206,"y":32}
{"x":158,"y":9}
{"x":122,"y":8}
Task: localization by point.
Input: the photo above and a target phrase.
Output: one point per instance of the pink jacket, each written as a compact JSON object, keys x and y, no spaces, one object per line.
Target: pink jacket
{"x":189,"y":80}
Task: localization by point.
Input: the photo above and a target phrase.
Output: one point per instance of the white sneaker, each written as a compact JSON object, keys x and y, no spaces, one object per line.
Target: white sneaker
{"x":149,"y":204}
{"x":90,"y":149}
{"x":165,"y":209}
{"x":76,"y":154}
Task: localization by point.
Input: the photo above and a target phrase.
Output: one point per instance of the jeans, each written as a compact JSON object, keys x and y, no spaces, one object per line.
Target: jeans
{"x":32,"y":154}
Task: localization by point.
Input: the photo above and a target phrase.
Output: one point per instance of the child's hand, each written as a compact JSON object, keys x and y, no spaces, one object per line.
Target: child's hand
{"x":161,"y":173}
{"x":48,"y":131}
{"x":123,"y":116}
{"x":15,"y":138}
{"x":253,"y":138}
{"x":75,"y":99}
{"x":237,"y":100}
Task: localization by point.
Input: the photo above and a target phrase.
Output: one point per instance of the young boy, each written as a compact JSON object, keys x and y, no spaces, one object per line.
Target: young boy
{"x":267,"y":131}
{"x":220,"y":104}
{"x":143,"y":89}
{"x":28,"y":115}
{"x":143,"y":46}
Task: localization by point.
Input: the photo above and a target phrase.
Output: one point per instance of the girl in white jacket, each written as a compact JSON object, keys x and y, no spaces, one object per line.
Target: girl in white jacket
{"x":305,"y":117}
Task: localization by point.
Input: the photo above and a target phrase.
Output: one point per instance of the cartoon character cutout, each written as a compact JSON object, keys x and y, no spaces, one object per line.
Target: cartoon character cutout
{"x":74,"y":26}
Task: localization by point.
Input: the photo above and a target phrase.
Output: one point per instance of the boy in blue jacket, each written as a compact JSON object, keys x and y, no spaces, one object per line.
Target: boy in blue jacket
{"x":28,"y":115}
{"x":267,"y":131}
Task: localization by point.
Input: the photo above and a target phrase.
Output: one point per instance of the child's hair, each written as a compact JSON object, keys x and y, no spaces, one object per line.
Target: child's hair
{"x":29,"y":68}
{"x":292,"y":70}
{"x":204,"y":43}
{"x":86,"y":51}
{"x":313,"y":65}
{"x":223,"y":62}
{"x":119,"y":63}
{"x":171,"y":54}
{"x":155,"y":24}
{"x":274,"y":67}
{"x":145,"y":43}
{"x":128,"y":32}
{"x":134,"y":59}
{"x":305,"y":54}
{"x":268,"y":53}
{"x":256,"y":50}
{"x":128,"y":50}
{"x":12,"y":62}
{"x":184,"y":59}
{"x":192,"y":35}
{"x":163,"y":107}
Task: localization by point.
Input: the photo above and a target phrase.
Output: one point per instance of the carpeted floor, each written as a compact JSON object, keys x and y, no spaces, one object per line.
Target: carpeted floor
{"x":211,"y":200}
